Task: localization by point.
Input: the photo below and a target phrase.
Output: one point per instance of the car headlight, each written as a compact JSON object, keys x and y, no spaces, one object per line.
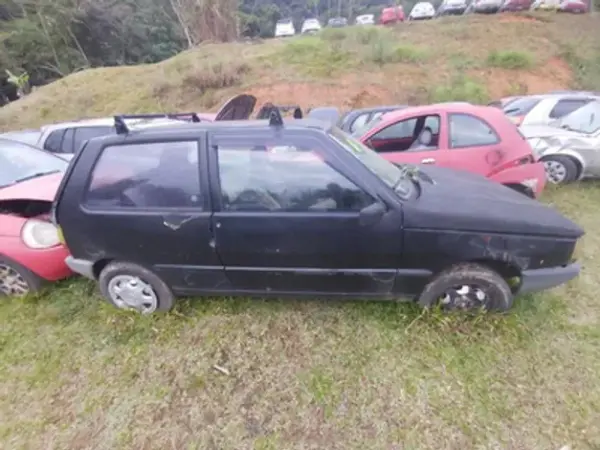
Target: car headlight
{"x":39,"y":234}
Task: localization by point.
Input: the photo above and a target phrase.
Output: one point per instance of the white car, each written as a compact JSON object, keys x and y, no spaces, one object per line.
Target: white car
{"x":284,"y":28}
{"x":422,"y":11}
{"x":543,"y":109}
{"x":64,"y":139}
{"x":365,"y":19}
{"x":311,"y":26}
{"x":569,"y":147}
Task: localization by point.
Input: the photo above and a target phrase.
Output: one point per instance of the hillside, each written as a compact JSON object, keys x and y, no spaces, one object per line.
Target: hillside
{"x":475,"y":58}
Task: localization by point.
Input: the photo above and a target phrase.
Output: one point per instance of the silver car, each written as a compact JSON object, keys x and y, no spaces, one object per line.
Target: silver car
{"x":570,"y":146}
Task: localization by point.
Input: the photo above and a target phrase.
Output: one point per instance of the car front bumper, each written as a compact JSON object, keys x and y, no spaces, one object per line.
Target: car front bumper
{"x":541,"y":279}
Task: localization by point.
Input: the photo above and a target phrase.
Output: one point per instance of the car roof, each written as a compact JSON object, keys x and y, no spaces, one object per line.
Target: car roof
{"x":450,"y":106}
{"x":110,"y":122}
{"x":292,"y":124}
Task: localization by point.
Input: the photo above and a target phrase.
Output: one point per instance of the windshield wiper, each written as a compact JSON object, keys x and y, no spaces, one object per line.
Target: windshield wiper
{"x":35,"y":175}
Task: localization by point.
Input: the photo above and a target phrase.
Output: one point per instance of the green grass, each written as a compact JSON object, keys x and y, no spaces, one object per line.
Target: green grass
{"x":510,"y":59}
{"x":77,"y":373}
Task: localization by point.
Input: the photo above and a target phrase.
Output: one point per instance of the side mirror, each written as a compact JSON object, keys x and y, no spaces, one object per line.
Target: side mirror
{"x":372,"y":214}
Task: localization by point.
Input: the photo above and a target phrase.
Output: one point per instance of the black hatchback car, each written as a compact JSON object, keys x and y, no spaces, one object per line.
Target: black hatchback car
{"x":297,"y":208}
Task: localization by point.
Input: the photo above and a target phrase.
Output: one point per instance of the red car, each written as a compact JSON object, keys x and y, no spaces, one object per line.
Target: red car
{"x":30,"y":249}
{"x":477,"y":139}
{"x":391,"y":15}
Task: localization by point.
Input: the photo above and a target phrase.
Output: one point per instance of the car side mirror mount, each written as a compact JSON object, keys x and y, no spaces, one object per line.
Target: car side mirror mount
{"x":372,"y":214}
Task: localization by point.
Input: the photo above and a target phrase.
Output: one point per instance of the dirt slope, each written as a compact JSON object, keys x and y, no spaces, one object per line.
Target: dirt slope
{"x":464,"y":58}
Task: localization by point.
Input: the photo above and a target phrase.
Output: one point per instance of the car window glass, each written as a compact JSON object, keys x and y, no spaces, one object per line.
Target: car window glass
{"x":567,"y":106}
{"x":67,"y":142}
{"x":398,"y":130}
{"x":54,"y":140}
{"x":83,"y":134}
{"x":287,"y":177}
{"x":469,"y":131}
{"x":360,"y":121}
{"x":163,"y":175}
{"x":417,"y":133}
{"x":520,"y":106}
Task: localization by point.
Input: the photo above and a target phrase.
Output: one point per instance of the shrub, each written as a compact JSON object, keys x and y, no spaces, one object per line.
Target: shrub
{"x":460,"y":89}
{"x":510,"y":59}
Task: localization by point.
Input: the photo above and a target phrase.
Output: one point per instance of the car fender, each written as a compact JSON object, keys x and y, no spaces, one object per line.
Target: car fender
{"x":565,"y":151}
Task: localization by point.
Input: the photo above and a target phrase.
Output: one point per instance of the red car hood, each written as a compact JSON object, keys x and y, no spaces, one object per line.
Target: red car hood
{"x":41,"y":188}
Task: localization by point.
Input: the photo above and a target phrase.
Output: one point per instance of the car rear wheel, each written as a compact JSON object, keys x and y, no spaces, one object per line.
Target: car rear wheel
{"x":560,"y":169}
{"x":17,"y":280}
{"x":130,"y":286}
{"x":468,"y":287}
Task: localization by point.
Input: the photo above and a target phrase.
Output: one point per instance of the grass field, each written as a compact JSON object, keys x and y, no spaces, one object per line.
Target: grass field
{"x":76,"y":373}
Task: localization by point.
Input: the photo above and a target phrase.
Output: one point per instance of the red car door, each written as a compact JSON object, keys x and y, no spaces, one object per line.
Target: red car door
{"x":472,"y":144}
{"x":416,"y":138}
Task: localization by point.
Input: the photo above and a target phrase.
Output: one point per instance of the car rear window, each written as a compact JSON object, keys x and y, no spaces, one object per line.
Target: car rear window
{"x":520,"y":107}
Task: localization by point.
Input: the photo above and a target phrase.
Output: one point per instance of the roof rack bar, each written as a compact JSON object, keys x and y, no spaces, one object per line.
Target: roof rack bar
{"x":122,"y":127}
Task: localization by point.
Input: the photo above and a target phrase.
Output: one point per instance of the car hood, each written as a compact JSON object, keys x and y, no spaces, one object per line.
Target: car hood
{"x":41,"y":188}
{"x":462,"y":201}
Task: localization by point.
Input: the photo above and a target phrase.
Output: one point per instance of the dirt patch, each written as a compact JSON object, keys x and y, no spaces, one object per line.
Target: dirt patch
{"x":555,"y":74}
{"x":509,"y":18}
{"x":343,"y":94}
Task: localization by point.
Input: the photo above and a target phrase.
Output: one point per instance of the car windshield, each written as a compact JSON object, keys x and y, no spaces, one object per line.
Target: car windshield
{"x":367,"y":126}
{"x":392,"y":175}
{"x":284,"y":22}
{"x":520,"y":106}
{"x":583,"y":120}
{"x":21,"y":162}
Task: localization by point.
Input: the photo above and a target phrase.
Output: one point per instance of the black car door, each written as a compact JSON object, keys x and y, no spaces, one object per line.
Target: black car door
{"x":146,"y":202}
{"x":287,"y":218}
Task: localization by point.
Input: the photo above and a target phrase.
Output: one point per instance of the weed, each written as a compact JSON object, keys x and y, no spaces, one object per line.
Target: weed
{"x":510,"y":59}
{"x":461,"y":88}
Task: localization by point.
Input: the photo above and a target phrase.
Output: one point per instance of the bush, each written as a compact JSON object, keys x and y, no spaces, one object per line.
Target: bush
{"x":510,"y":59}
{"x":316,"y":56}
{"x":461,"y":89}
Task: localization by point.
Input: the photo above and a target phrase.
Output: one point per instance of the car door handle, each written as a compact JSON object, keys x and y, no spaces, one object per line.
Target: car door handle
{"x":428,"y":161}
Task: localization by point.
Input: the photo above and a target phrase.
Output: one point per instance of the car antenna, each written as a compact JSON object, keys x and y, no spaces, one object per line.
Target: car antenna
{"x":275,"y":119}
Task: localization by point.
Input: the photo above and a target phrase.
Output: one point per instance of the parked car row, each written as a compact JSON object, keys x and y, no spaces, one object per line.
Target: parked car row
{"x":166,"y":205}
{"x":425,"y":11}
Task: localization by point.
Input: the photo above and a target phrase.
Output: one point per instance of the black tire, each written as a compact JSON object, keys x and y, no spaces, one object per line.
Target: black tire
{"x":34,"y":283}
{"x":572,"y":171}
{"x":499,"y":296}
{"x":163,"y":294}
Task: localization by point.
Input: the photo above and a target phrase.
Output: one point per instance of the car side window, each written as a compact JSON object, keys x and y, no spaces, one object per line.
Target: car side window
{"x":54,"y":140}
{"x":156,"y":175}
{"x":567,"y":106}
{"x":360,"y":121}
{"x":287,"y":177}
{"x":82,"y":134}
{"x":470,"y":131}
{"x":67,"y":142}
{"x":415,"y":134}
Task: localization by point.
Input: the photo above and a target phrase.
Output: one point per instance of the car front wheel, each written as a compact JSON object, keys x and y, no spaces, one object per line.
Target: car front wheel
{"x":17,"y":280}
{"x":468,"y":287}
{"x":130,"y":286}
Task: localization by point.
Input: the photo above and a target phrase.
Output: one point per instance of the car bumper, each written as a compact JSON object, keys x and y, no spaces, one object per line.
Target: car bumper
{"x":48,"y":264}
{"x":82,"y":267}
{"x":541,"y":279}
{"x":532,"y":177}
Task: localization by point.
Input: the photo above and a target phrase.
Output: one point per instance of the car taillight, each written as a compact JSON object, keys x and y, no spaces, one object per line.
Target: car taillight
{"x":529,"y":159}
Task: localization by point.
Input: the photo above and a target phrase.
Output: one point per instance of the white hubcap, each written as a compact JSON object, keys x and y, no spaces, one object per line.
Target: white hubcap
{"x":129,"y":292}
{"x":556,"y":172}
